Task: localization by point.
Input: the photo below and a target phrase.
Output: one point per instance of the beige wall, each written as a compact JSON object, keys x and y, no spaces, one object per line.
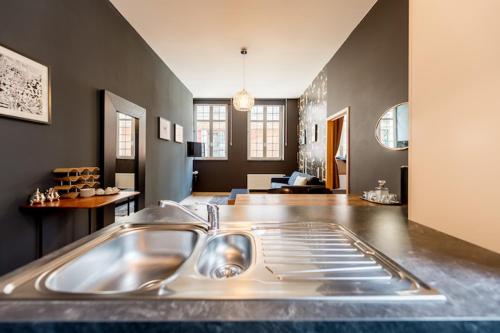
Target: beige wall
{"x":455,"y":118}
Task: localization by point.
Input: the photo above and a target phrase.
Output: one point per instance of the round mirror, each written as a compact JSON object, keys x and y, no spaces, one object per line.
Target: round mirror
{"x":392,"y":128}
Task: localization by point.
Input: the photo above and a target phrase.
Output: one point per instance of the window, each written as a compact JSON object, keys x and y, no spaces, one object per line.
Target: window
{"x":125,"y":137}
{"x":211,"y":129}
{"x":265,"y":132}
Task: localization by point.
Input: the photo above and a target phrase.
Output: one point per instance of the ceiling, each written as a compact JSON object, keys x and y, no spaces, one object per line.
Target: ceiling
{"x":288,"y":41}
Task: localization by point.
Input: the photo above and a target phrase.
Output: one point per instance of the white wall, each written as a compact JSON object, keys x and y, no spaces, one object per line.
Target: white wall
{"x":455,"y":118}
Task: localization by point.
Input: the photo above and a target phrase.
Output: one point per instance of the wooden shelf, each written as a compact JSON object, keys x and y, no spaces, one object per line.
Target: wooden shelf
{"x":85,"y":203}
{"x":76,"y":170}
{"x":75,"y":179}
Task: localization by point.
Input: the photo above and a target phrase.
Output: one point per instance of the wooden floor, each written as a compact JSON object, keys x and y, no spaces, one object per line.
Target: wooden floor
{"x":301,"y":200}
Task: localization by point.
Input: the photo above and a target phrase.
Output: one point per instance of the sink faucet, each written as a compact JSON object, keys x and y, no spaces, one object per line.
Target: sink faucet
{"x":213,"y":213}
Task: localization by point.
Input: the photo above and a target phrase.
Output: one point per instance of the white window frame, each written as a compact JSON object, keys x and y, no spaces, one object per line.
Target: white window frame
{"x":132,"y":138}
{"x":210,"y":135}
{"x":264,"y":121}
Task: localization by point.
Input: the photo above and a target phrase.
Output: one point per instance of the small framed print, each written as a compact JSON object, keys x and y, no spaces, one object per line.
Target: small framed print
{"x":25,"y":88}
{"x":315,"y":133}
{"x":178,"y":133}
{"x":164,"y":127}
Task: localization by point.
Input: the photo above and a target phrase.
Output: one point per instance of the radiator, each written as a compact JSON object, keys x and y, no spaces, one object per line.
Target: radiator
{"x":261,"y":181}
{"x":125,"y":181}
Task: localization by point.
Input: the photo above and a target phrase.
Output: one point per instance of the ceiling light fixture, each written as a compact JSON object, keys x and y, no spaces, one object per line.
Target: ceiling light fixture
{"x":243,"y":101}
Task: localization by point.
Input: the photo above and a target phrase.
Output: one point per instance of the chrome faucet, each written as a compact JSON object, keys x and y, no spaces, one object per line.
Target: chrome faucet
{"x":213,"y":213}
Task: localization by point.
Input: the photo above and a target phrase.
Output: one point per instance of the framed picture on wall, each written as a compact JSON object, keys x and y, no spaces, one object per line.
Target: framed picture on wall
{"x":315,"y":133}
{"x":164,"y":127}
{"x":179,"y":133}
{"x":25,"y":88}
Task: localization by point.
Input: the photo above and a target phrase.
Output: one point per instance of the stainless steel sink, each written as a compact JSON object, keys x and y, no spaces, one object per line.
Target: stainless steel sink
{"x":263,"y":260}
{"x":225,"y":256}
{"x":133,"y":260}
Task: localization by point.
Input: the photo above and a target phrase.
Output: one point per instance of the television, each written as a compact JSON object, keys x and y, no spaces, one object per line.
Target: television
{"x":194,"y":149}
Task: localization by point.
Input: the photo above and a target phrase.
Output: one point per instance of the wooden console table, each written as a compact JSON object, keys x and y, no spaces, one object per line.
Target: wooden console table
{"x":78,"y":203}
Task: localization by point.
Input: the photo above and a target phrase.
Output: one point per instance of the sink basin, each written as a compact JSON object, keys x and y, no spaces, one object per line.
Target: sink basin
{"x":133,"y":260}
{"x":225,"y":256}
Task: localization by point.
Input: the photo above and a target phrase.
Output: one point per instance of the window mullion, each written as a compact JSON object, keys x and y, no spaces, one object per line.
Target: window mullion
{"x":210,"y":131}
{"x":264,"y":128}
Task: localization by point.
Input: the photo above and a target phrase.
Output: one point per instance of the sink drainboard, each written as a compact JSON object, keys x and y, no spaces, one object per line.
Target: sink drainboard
{"x":319,"y":252}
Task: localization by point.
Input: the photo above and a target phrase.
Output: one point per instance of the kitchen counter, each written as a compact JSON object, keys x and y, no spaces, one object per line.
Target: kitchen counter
{"x":467,"y":275}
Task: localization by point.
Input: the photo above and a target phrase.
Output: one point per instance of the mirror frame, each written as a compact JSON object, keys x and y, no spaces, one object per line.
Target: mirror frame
{"x":378,"y":122}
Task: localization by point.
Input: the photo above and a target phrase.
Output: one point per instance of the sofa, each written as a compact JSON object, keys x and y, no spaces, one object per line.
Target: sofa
{"x":288,"y":184}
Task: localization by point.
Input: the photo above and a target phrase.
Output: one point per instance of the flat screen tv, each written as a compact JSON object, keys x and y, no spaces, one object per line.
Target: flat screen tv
{"x":194,"y":149}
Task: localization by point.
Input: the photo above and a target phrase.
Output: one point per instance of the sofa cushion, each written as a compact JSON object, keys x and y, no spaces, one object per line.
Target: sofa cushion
{"x":277,"y":185}
{"x":295,"y":174}
{"x":300,"y":181}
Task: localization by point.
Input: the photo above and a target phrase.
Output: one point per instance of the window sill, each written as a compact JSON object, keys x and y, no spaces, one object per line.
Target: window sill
{"x":210,"y":158}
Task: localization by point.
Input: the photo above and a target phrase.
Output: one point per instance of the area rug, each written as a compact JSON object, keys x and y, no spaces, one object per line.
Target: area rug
{"x":219,"y":200}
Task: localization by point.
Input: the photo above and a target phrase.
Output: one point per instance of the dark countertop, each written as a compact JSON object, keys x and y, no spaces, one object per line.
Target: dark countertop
{"x":467,"y":275}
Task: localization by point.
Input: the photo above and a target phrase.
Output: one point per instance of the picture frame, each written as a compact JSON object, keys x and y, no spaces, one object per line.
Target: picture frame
{"x":26,"y":88}
{"x":164,"y":129}
{"x":315,"y":133}
{"x":178,"y":133}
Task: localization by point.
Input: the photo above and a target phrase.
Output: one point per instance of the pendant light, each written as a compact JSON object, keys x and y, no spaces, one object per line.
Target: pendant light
{"x":243,"y":101}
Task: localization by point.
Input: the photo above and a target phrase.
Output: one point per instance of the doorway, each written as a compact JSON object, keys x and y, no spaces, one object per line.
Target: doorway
{"x":337,"y":152}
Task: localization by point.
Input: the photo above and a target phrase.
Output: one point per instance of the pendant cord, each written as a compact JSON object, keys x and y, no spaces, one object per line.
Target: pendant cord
{"x":243,"y":52}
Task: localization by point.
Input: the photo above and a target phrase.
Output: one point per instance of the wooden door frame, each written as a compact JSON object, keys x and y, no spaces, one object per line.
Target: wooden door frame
{"x":330,"y":158}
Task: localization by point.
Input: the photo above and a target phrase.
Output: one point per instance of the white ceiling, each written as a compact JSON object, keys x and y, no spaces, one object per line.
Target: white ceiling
{"x":288,"y":41}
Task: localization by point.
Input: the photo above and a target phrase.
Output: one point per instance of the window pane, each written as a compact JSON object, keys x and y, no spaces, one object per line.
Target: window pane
{"x":265,"y":135}
{"x":203,"y":135}
{"x":219,"y":112}
{"x":211,"y":129}
{"x":125,"y":136}
{"x":257,"y":113}
{"x":273,"y":113}
{"x":202,"y":112}
{"x":256,"y":139}
{"x":219,"y":139}
{"x":273,"y":140}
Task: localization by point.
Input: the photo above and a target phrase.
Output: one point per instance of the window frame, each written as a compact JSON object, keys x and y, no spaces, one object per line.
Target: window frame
{"x":264,"y":129}
{"x":132,"y":138}
{"x":210,"y":135}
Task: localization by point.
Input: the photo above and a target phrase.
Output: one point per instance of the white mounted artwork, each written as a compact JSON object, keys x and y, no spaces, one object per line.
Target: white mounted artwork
{"x":164,"y":127}
{"x":25,"y":91}
{"x":179,"y":133}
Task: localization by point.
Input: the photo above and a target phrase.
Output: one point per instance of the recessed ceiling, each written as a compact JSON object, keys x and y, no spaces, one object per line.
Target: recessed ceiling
{"x":288,"y":41}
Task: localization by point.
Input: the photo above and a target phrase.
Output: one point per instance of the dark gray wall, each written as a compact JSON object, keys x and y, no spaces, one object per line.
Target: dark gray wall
{"x":222,"y":176}
{"x":369,"y":73}
{"x":88,"y":46}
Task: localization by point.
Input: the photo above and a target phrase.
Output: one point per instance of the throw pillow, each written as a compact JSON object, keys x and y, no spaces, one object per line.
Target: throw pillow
{"x":300,"y":181}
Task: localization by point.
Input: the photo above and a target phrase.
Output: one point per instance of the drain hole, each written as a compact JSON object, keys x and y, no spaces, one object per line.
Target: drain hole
{"x":227,"y":271}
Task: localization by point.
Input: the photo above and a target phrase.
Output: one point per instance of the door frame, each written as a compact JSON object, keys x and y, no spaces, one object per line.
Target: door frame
{"x":330,"y":156}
